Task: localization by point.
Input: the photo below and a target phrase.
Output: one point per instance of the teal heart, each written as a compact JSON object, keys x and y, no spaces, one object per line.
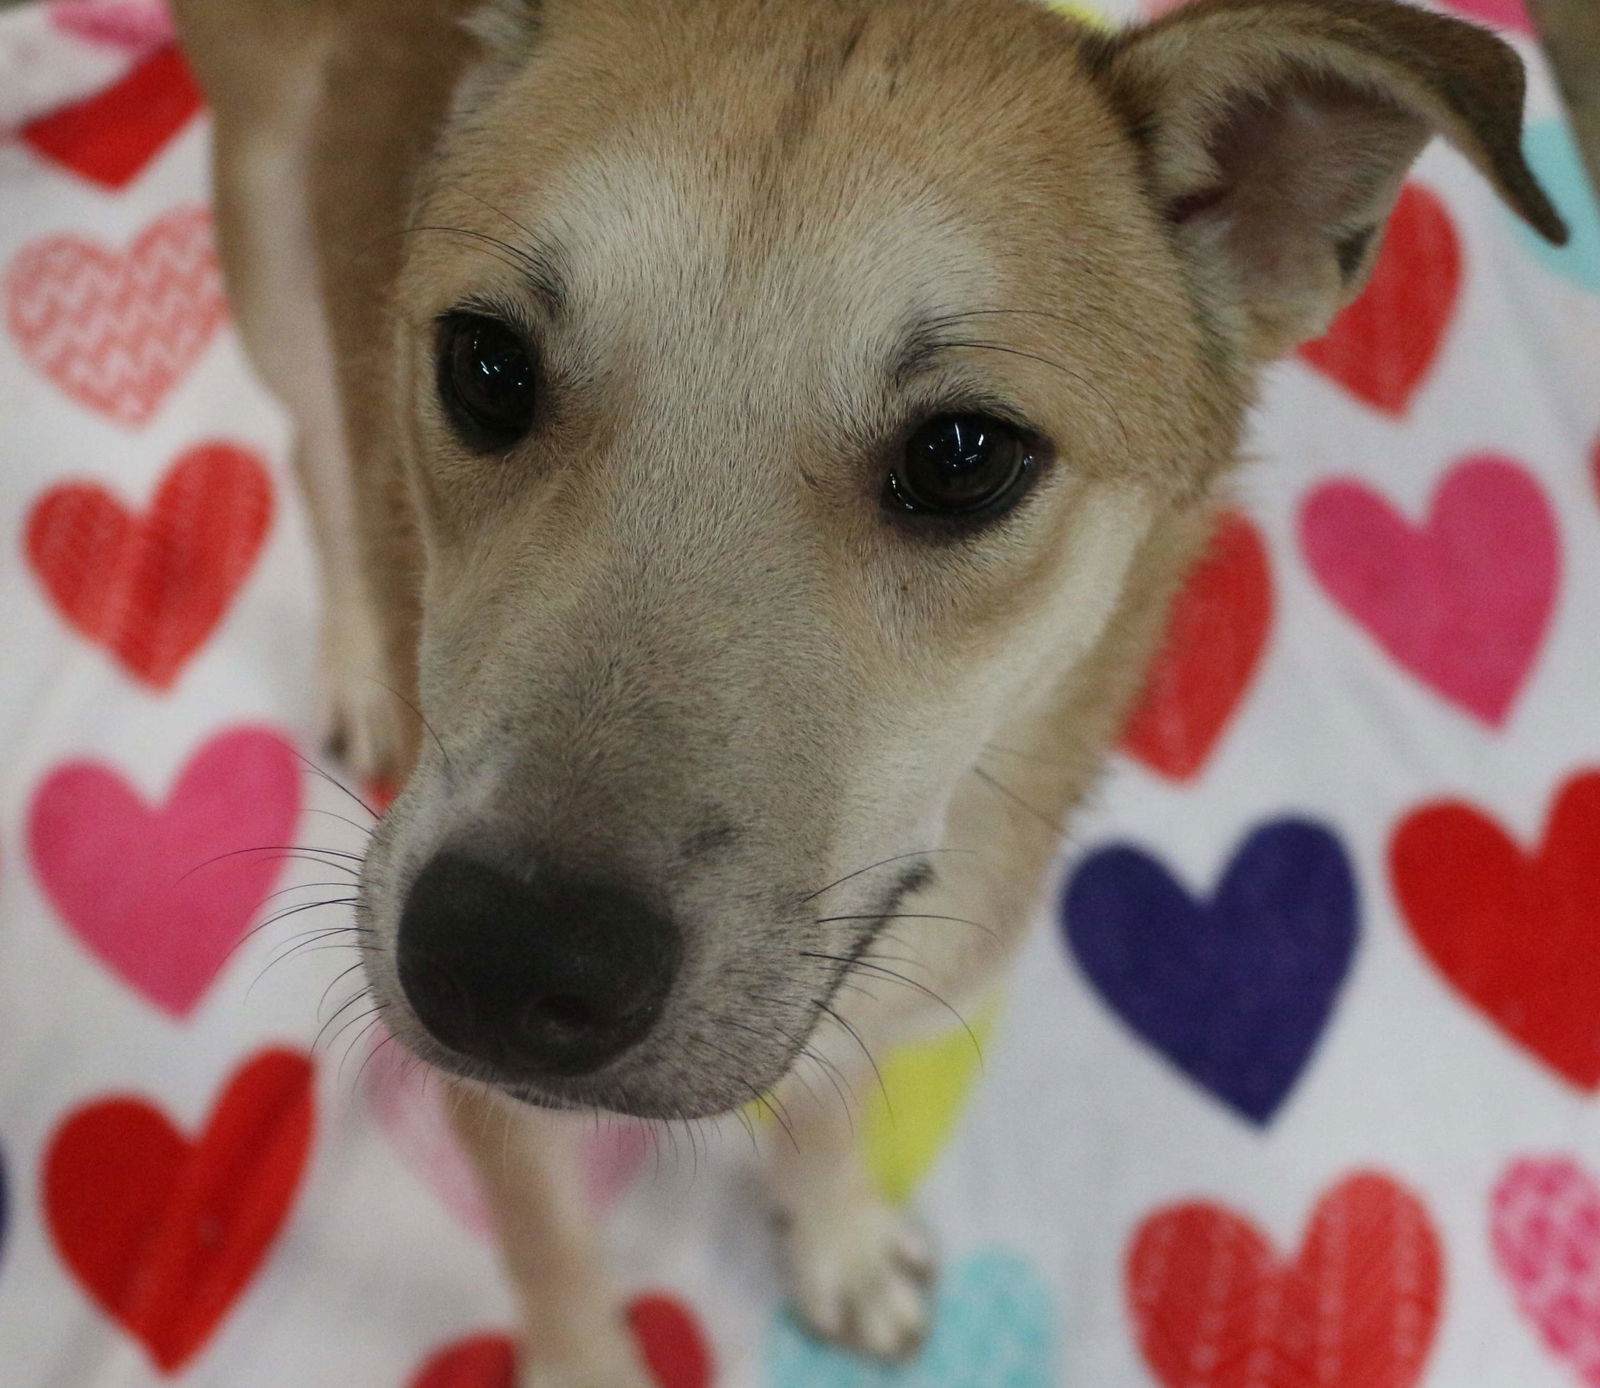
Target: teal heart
{"x":1554,"y":156}
{"x":994,"y":1327}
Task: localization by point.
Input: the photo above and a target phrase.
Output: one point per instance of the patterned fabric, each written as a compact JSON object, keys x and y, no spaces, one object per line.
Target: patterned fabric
{"x":1299,"y":1084}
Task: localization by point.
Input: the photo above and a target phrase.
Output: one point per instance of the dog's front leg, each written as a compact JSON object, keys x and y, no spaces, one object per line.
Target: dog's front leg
{"x":860,"y":1269}
{"x":574,"y":1331}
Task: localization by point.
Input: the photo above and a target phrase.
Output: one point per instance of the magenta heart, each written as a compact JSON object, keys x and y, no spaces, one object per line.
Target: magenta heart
{"x":1501,"y":14}
{"x":1546,"y":1234}
{"x":1463,"y":601}
{"x":138,"y":27}
{"x":408,"y":1100}
{"x":154,"y":892}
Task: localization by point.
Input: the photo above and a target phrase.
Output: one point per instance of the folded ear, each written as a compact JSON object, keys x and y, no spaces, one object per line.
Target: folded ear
{"x":1277,"y":134}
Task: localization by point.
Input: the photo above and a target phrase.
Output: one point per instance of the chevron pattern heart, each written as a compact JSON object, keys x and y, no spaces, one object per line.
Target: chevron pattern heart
{"x":119,"y":331}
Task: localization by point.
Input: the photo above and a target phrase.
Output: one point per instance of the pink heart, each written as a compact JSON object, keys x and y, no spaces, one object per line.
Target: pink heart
{"x":138,"y":27}
{"x":408,"y":1100}
{"x":151,"y":891}
{"x":1463,"y":601}
{"x":1545,"y":1227}
{"x":1501,"y":14}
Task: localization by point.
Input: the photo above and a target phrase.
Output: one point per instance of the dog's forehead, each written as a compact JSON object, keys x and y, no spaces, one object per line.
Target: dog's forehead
{"x":642,"y":243}
{"x":811,"y":143}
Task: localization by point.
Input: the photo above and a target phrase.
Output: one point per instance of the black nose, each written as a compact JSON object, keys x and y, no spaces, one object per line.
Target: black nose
{"x":552,"y":976}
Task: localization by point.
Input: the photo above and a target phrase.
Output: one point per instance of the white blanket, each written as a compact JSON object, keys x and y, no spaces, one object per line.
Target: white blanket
{"x":1301,"y":1092}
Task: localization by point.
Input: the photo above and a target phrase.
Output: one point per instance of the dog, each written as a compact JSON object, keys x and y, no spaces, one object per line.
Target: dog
{"x":761,"y":438}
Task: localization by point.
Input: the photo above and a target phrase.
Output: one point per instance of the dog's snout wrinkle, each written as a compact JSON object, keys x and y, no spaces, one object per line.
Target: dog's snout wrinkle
{"x":554,"y":975}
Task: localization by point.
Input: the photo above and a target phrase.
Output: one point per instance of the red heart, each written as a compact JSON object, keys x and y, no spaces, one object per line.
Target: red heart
{"x":1215,"y":636}
{"x":1382,"y":346}
{"x":483,"y":1361}
{"x":163,"y":1232}
{"x":118,"y":331}
{"x":163,"y":895}
{"x":150,"y":589}
{"x":673,"y":1344}
{"x":1216,"y":1308}
{"x":110,"y":137}
{"x":669,"y":1336}
{"x":1513,"y":932}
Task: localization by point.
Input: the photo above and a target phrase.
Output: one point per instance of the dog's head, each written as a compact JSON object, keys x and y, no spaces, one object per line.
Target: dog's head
{"x":790,"y":395}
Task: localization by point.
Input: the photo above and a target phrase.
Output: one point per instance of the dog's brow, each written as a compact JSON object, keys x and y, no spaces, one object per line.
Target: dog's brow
{"x":916,"y":346}
{"x":542,"y":263}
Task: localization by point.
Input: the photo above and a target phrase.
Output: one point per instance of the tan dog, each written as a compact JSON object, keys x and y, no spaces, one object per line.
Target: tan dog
{"x":763,"y":435}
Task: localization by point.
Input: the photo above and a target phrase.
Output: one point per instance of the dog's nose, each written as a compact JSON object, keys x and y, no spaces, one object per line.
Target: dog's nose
{"x":557,"y":975}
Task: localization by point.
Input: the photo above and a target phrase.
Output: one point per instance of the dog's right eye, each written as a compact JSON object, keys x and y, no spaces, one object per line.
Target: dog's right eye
{"x":487,"y":380}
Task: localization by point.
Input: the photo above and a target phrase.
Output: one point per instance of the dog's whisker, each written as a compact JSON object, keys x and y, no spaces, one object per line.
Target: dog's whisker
{"x":276,"y":916}
{"x":356,"y":1040}
{"x":342,"y":818}
{"x":288,"y":850}
{"x":489,"y":206}
{"x":871,"y":1059}
{"x":861,"y":963}
{"x":334,"y":982}
{"x":421,"y":718}
{"x":836,"y":1077}
{"x":882,"y":862}
{"x":909,"y":916}
{"x":1074,"y":376}
{"x":298,"y":887}
{"x":351,"y":1001}
{"x":309,"y":943}
{"x":502,"y":251}
{"x":1019,"y":802}
{"x":994,"y":749}
{"x":305,"y":939}
{"x":335,"y":782}
{"x":370,"y":1055}
{"x":800,"y":1050}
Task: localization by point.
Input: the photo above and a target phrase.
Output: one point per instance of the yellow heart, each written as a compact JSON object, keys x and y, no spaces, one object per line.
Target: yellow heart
{"x":913,"y":1115}
{"x":1087,"y":13}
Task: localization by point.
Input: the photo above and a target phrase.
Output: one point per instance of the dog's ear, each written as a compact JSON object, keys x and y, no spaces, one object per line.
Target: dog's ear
{"x":1276,"y":135}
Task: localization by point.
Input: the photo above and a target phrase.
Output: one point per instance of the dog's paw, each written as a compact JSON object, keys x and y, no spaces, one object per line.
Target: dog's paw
{"x":367,"y":727}
{"x":861,"y":1277}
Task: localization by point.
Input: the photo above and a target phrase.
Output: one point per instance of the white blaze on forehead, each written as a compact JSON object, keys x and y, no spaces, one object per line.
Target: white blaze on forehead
{"x":666,"y":253}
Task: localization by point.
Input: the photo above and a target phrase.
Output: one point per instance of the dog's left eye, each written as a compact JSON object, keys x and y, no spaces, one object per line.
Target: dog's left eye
{"x":961,"y":465}
{"x":486,"y":380}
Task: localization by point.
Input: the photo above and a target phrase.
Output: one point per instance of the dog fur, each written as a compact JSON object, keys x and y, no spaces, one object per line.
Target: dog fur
{"x":673,"y":637}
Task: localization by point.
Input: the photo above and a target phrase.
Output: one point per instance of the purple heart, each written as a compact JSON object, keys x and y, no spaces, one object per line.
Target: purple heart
{"x":1234,"y":991}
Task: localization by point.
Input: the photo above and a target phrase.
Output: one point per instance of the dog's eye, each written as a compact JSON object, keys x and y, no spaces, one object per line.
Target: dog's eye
{"x":961,"y":465}
{"x":486,"y":380}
